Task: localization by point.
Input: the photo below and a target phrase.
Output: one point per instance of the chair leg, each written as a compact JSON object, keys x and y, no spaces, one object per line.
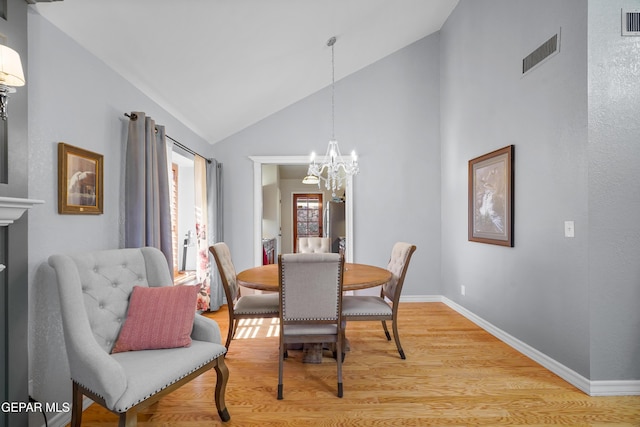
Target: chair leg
{"x":397,"y":339}
{"x":339,"y":360}
{"x":222,"y":374}
{"x":386,"y":331}
{"x":281,"y":352}
{"x":76,"y":406}
{"x":279,"y":391}
{"x":343,"y":337}
{"x":231,"y":332}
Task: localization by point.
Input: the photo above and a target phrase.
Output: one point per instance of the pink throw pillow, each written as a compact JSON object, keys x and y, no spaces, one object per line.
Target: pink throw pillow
{"x":159,"y":317}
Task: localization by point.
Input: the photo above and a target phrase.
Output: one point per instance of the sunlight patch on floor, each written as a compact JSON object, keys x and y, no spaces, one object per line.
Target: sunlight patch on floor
{"x":258,"y":328}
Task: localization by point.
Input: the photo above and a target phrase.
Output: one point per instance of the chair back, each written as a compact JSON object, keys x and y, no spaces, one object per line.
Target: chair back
{"x":398,"y":264}
{"x":94,"y":291}
{"x":311,"y":288}
{"x":222,"y":255}
{"x":314,"y":245}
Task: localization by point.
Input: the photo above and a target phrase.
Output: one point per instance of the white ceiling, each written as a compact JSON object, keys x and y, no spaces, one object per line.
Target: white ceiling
{"x":222,"y":65}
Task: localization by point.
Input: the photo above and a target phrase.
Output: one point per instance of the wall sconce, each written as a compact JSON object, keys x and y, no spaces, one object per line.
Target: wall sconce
{"x":10,"y":76}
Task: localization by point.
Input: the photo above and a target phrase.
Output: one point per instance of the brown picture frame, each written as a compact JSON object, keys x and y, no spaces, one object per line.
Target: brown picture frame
{"x":491,"y":197}
{"x":80,"y":181}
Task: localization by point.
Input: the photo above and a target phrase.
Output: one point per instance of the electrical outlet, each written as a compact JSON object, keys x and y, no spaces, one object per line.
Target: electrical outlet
{"x":463,"y":290}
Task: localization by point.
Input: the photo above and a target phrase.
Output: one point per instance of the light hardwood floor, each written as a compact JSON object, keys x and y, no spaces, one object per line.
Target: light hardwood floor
{"x":455,"y":374}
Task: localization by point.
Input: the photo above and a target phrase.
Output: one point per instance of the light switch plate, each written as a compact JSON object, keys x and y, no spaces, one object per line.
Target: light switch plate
{"x":569,"y":229}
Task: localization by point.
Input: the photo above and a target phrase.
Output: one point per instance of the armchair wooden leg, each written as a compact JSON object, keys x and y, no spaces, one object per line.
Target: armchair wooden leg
{"x":222,"y":373}
{"x":128,"y":419}
{"x":76,"y":406}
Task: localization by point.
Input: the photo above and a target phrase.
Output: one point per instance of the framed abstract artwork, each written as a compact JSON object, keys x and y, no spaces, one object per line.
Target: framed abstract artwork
{"x":491,"y":197}
{"x":80,"y":177}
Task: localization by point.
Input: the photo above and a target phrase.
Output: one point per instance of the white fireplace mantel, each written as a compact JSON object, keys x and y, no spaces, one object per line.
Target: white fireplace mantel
{"x":12,"y":208}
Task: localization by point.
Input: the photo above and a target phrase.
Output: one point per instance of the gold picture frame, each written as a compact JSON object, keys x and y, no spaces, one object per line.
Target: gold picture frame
{"x":491,"y":197}
{"x":80,"y":180}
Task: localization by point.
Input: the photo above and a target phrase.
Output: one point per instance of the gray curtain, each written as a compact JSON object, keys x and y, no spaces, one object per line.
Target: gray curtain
{"x":147,"y":190}
{"x":214,"y":209}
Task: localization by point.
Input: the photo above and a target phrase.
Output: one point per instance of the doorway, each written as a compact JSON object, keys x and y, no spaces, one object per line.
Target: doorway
{"x":258,"y":162}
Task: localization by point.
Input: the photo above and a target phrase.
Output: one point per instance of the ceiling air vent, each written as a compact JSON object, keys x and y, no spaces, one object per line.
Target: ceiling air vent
{"x":546,"y":50}
{"x":630,"y":22}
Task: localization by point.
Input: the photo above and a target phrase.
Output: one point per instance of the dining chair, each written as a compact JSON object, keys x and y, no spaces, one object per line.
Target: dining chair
{"x":256,"y":306}
{"x":369,"y":307}
{"x":310,"y":305}
{"x":314,"y":245}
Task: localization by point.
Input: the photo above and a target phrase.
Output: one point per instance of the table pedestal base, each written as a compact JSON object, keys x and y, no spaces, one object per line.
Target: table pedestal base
{"x":312,"y":352}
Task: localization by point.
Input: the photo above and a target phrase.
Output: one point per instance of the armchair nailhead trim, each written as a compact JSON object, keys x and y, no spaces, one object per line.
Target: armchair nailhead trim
{"x":168,"y":384}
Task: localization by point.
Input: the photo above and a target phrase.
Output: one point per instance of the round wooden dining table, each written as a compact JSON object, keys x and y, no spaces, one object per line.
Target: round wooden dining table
{"x":356,"y":276}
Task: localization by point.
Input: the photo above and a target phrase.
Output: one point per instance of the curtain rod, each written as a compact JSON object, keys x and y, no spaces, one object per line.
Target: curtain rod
{"x":176,"y":142}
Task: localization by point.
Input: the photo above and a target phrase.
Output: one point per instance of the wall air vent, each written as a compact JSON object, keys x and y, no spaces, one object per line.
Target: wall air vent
{"x":545,"y":51}
{"x":631,"y":22}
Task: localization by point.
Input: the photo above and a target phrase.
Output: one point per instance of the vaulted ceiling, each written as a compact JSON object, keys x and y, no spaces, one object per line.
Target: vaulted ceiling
{"x":222,"y":65}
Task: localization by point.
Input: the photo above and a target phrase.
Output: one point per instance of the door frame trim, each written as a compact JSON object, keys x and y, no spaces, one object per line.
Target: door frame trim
{"x":258,"y":161}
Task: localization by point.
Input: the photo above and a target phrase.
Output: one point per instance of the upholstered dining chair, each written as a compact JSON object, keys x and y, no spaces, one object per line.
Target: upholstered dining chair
{"x":314,"y":245}
{"x":310,"y":305}
{"x":240,"y":307}
{"x":131,"y":336}
{"x":366,"y":307}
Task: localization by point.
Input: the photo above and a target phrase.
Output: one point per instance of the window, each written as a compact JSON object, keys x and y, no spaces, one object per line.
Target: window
{"x":174,"y":217}
{"x":183,"y":218}
{"x":307,"y":211}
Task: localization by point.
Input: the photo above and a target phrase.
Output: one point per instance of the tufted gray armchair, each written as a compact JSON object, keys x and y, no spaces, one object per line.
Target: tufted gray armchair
{"x":94,"y":291}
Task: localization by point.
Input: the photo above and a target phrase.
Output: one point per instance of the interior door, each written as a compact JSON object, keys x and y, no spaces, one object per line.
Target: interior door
{"x":307,"y":211}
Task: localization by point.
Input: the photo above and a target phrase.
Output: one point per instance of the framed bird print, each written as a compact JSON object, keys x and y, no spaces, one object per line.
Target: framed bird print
{"x":491,"y":197}
{"x":80,"y":178}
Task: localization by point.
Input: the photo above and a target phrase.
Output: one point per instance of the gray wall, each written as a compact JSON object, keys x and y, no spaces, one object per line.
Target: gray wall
{"x":570,"y":298}
{"x":614,"y":193}
{"x":73,"y":98}
{"x":389,"y":113}
{"x":537,"y":291}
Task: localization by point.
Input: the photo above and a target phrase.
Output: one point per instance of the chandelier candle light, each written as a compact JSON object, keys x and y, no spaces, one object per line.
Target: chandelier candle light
{"x":334,"y":169}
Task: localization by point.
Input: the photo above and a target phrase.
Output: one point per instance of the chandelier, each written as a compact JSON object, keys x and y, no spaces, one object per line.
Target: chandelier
{"x":334,"y":169}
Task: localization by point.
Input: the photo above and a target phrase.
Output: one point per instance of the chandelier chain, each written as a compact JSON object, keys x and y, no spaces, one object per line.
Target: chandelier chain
{"x":334,"y":168}
{"x":331,"y":42}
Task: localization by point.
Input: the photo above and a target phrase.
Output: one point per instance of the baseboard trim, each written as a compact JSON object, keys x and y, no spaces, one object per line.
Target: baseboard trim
{"x":421,"y":298}
{"x":592,"y":388}
{"x":614,"y":388}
